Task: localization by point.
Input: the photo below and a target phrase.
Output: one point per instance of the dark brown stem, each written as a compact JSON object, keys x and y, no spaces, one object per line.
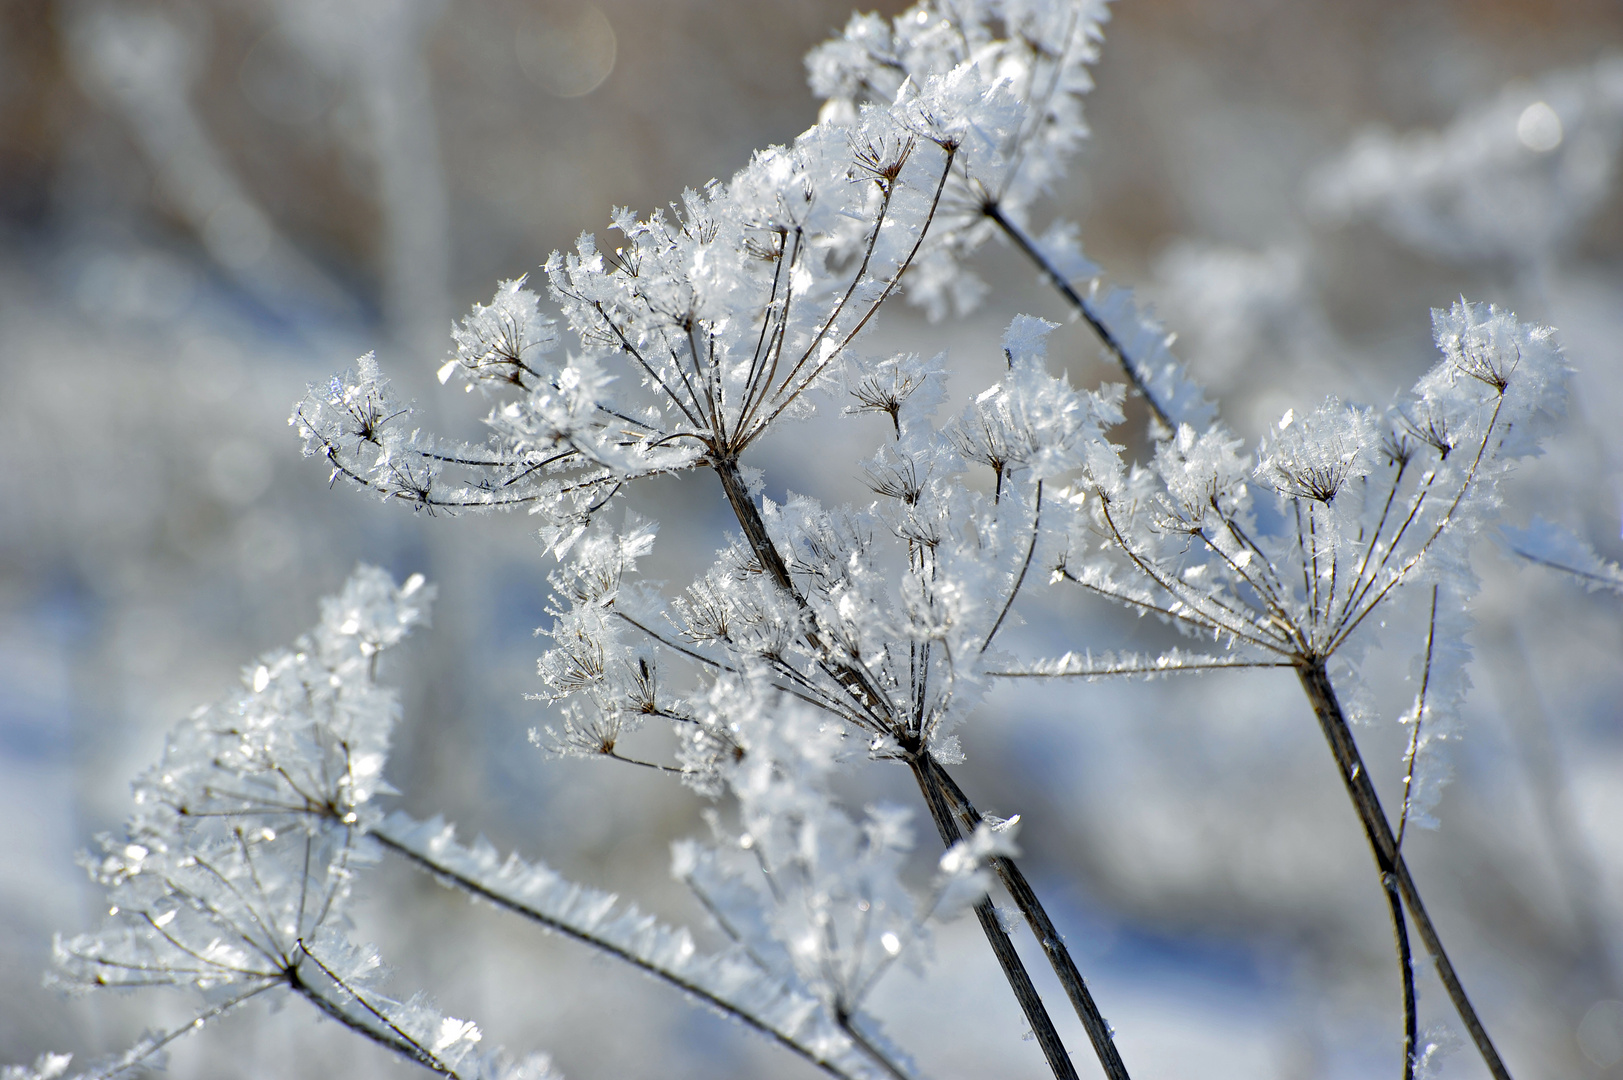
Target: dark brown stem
{"x":479,"y":891}
{"x":1059,"y":957}
{"x":1400,"y":935}
{"x":749,"y":519}
{"x":1129,"y":366}
{"x":1333,"y":722}
{"x":928,"y":773}
{"x":934,"y":785}
{"x":857,"y":682}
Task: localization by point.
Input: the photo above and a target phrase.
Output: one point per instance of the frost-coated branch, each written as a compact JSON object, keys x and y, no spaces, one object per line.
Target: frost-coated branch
{"x":1144,"y":357}
{"x":731,"y":984}
{"x":1544,"y":543}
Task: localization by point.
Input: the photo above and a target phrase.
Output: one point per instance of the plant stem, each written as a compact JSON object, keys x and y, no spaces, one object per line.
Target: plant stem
{"x":853,"y":678}
{"x":475,"y":889}
{"x":1333,"y":722}
{"x":1059,"y":957}
{"x":1129,"y":366}
{"x":928,"y":774}
{"x":925,"y":771}
{"x":1400,"y":935}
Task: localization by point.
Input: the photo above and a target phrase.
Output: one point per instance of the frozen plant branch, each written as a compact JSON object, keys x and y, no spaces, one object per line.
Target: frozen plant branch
{"x":733,"y":985}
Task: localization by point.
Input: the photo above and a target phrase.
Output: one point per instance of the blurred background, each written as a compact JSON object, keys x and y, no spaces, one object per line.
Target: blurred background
{"x":207,"y":204}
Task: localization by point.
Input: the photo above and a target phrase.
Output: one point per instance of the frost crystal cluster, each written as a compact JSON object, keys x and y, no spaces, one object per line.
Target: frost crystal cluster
{"x":234,"y":876}
{"x":821,"y":635}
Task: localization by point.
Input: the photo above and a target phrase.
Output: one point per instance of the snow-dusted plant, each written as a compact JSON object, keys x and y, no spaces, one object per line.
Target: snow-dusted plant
{"x":1284,"y":560}
{"x":234,"y":876}
{"x":819,"y":635}
{"x":706,"y":328}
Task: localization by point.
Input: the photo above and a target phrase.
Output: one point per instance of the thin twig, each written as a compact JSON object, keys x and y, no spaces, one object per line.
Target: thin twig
{"x":196,"y":1022}
{"x":1419,"y":719}
{"x":1025,"y":565}
{"x":475,"y":888}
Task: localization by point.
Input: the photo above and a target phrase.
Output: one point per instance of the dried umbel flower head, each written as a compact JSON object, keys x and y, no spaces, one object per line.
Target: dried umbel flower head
{"x":1315,"y":456}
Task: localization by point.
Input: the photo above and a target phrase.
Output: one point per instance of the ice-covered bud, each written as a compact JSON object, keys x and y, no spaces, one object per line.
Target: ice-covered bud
{"x":1205,"y":476}
{"x":1026,"y":339}
{"x":993,"y":837}
{"x":1488,"y":356}
{"x":1315,"y":456}
{"x":1030,"y":420}
{"x":502,"y":342}
{"x":964,"y":877}
{"x":375,"y":611}
{"x":904,"y":387}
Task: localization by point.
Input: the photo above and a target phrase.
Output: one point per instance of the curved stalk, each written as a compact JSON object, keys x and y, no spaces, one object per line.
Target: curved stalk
{"x":1400,"y":937}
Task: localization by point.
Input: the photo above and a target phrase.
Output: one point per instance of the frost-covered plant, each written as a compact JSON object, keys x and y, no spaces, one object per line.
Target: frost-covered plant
{"x":705,"y":329}
{"x":1283,"y":562}
{"x":234,"y":876}
{"x":820,"y":635}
